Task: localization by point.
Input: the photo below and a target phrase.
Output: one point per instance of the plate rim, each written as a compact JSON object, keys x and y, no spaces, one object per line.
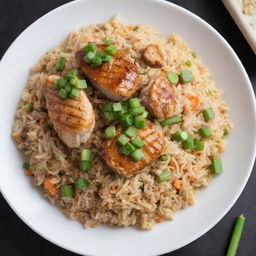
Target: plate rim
{"x":251,"y":93}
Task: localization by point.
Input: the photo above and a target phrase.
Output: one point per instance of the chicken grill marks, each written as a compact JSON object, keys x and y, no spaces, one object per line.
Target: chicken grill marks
{"x":118,"y":80}
{"x":73,"y":119}
{"x":125,"y":165}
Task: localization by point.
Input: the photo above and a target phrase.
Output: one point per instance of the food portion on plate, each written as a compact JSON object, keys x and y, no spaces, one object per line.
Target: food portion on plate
{"x":121,"y":125}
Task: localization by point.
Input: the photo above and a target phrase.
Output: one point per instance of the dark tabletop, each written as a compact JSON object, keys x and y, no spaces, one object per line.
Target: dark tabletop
{"x":18,"y":239}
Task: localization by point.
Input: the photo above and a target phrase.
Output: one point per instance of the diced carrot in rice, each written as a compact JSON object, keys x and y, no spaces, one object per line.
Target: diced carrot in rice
{"x":50,"y":187}
{"x":191,"y":178}
{"x":28,"y":173}
{"x":160,"y":219}
{"x":95,"y":37}
{"x":131,"y":27}
{"x":194,"y":102}
{"x":177,"y":184}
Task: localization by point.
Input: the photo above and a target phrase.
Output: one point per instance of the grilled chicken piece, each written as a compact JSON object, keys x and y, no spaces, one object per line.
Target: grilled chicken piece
{"x":118,"y":80}
{"x":154,"y":143}
{"x":158,"y":96}
{"x":72,"y":119}
{"x":153,"y":56}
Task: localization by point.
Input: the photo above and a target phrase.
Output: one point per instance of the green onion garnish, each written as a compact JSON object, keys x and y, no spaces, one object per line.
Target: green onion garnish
{"x":74,"y":93}
{"x":171,"y":120}
{"x":127,"y":149}
{"x":109,"y":116}
{"x":67,"y":191}
{"x":123,"y":139}
{"x":205,"y":132}
{"x":85,"y":165}
{"x":188,"y":63}
{"x":137,"y":142}
{"x":91,"y":47}
{"x":131,"y":132}
{"x":117,"y":106}
{"x":110,"y":132}
{"x":188,"y":143}
{"x":194,"y":54}
{"x":225,"y":132}
{"x":127,"y":120}
{"x":186,"y":76}
{"x":25,"y":165}
{"x":28,"y":106}
{"x":108,"y":107}
{"x":140,"y":122}
{"x":60,"y":64}
{"x":208,"y":114}
{"x":199,"y":145}
{"x":82,"y":183}
{"x":180,"y":135}
{"x":86,"y":155}
{"x":63,"y":94}
{"x":134,"y":102}
{"x":164,"y":157}
{"x":137,"y":110}
{"x":217,"y":166}
{"x":111,"y":50}
{"x":137,"y":155}
{"x":164,"y":176}
{"x":173,"y":77}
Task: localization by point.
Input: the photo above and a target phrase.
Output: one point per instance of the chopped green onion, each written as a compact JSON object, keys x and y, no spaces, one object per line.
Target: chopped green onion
{"x":81,"y":84}
{"x":74,"y":93}
{"x":60,"y":83}
{"x":111,"y":50}
{"x":125,"y":106}
{"x":205,"y":132}
{"x":67,"y":191}
{"x":164,"y":176}
{"x":186,"y":76}
{"x":73,"y":81}
{"x":140,"y":122}
{"x":137,"y":110}
{"x":106,"y":57}
{"x":109,"y":116}
{"x":131,"y":132}
{"x":141,"y":185}
{"x":107,"y":40}
{"x":208,"y":114}
{"x":164,"y":157}
{"x":217,"y":166}
{"x":82,"y":183}
{"x":117,"y":106}
{"x":68,"y":88}
{"x":86,"y":155}
{"x":85,"y":165}
{"x":110,"y":132}
{"x":225,"y":132}
{"x":144,"y":114}
{"x":188,"y":63}
{"x":88,"y":57}
{"x":188,"y":143}
{"x":119,"y":114}
{"x":173,"y":77}
{"x":134,"y":102}
{"x":136,"y":28}
{"x":25,"y":165}
{"x":171,"y":120}
{"x":60,"y":64}
{"x":208,"y":93}
{"x":137,"y":155}
{"x":236,"y":236}
{"x":63,"y":94}
{"x":123,"y":139}
{"x":194,"y":54}
{"x":108,"y":107}
{"x":96,"y":61}
{"x":127,"y":149}
{"x":139,"y":143}
{"x":199,"y":145}
{"x":91,"y":47}
{"x":28,"y":106}
{"x":127,"y":120}
{"x":180,"y":135}
{"x":72,"y":74}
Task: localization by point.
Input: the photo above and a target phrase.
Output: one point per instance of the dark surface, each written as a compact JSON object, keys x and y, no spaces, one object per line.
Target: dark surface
{"x":18,"y":239}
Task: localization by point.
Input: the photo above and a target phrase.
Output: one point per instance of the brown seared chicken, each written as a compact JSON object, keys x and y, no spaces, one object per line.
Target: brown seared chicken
{"x":125,"y":165}
{"x":153,"y":56}
{"x":158,"y":96}
{"x":72,"y":119}
{"x":118,"y":80}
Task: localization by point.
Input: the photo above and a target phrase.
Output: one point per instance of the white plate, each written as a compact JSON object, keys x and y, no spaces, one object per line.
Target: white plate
{"x":213,"y":202}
